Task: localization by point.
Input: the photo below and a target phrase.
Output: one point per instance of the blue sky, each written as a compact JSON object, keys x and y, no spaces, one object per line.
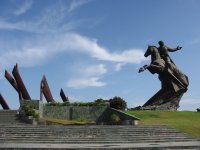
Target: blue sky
{"x":93,"y":48}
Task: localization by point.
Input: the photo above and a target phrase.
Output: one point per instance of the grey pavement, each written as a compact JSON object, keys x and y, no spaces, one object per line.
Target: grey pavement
{"x":165,"y":145}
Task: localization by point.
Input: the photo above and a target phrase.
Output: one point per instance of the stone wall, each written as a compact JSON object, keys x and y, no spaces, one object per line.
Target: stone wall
{"x":60,"y":112}
{"x":98,"y":114}
{"x":87,"y":113}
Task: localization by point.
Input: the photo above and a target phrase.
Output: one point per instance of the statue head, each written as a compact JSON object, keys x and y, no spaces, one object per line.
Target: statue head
{"x":161,"y":43}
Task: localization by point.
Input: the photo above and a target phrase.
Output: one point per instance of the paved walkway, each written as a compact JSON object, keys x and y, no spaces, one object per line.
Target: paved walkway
{"x":169,"y":145}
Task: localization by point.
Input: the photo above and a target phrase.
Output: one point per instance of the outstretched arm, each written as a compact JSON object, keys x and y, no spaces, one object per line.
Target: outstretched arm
{"x":174,"y":49}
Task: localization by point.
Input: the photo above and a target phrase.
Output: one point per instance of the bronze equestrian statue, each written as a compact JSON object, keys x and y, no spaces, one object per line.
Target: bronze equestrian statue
{"x":173,"y":82}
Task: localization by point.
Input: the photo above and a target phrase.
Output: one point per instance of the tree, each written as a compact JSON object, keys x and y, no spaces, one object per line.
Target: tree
{"x":118,"y":103}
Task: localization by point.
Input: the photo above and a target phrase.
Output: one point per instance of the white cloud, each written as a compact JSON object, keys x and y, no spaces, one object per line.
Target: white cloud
{"x":119,"y":66}
{"x":24,"y":7}
{"x":52,"y":19}
{"x":44,"y":24}
{"x":76,"y":4}
{"x":89,"y":76}
{"x":56,"y":39}
{"x":95,"y":70}
{"x":46,"y":47}
{"x":84,"y":44}
{"x":25,"y":57}
{"x":85,"y":82}
{"x":10,"y":26}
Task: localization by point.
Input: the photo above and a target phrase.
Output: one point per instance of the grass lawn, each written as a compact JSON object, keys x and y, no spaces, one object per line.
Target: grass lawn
{"x":64,"y":122}
{"x":185,"y":121}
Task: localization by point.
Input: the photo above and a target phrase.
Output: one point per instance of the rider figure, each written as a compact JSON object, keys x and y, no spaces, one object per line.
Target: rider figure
{"x":163,"y":50}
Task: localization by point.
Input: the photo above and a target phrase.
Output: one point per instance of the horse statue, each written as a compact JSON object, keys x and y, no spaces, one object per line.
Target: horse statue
{"x":173,"y":82}
{"x":157,"y":63}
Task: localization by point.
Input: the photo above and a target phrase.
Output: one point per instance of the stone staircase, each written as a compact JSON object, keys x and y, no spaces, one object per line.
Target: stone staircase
{"x":9,"y":117}
{"x":16,"y":135}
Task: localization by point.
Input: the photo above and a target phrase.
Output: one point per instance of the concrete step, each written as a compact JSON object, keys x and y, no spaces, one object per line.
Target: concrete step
{"x":8,"y":116}
{"x":92,"y":139}
{"x":103,"y":137}
{"x":121,"y":146}
{"x":65,"y":131}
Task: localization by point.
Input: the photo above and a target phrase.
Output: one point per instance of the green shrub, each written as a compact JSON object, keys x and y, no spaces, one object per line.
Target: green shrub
{"x":29,"y":111}
{"x":101,"y":102}
{"x":82,"y":104}
{"x":58,"y":104}
{"x":118,"y":103}
{"x":82,"y":119}
{"x":66,"y":103}
{"x":115,"y":118}
{"x":95,"y":103}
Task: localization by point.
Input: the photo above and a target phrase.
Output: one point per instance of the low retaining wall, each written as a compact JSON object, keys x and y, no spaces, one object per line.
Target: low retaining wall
{"x":89,"y":113}
{"x":97,"y":114}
